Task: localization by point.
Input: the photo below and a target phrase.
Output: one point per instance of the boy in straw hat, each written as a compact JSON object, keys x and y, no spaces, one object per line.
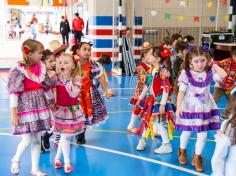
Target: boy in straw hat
{"x":56,"y":48}
{"x":142,"y":71}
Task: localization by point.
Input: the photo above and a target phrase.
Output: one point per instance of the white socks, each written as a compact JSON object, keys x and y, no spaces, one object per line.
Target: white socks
{"x":64,"y":147}
{"x":200,"y":143}
{"x":34,"y":140}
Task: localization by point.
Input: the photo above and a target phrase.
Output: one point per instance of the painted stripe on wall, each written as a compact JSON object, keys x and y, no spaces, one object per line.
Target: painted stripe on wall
{"x":100,"y":20}
{"x":102,"y":43}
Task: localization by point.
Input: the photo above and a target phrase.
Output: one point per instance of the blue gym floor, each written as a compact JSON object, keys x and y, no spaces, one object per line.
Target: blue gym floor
{"x":110,"y":150}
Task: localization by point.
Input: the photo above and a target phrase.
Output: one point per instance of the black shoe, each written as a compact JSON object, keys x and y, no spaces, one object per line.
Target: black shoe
{"x":80,"y":139}
{"x":45,"y":143}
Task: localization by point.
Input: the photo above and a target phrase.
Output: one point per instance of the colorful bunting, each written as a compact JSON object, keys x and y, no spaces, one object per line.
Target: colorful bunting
{"x":209,"y":4}
{"x":196,"y":19}
{"x":226,"y":17}
{"x":153,"y":12}
{"x":182,"y":3}
{"x":180,"y":18}
{"x":167,"y":1}
{"x":167,"y":16}
{"x":212,"y":18}
{"x":225,"y":2}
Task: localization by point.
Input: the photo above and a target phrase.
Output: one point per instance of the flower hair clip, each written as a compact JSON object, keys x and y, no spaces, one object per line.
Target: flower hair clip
{"x":165,"y":53}
{"x":205,"y":48}
{"x":26,"y":50}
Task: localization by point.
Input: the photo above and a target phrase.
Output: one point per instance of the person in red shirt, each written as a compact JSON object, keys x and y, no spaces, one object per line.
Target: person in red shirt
{"x":225,"y":86}
{"x":78,"y":25}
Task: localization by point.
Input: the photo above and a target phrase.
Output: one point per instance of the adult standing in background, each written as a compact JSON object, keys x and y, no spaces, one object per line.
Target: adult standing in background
{"x":78,"y":25}
{"x":65,"y":30}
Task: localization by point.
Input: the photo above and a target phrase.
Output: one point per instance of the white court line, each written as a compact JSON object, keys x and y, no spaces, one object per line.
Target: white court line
{"x":144,"y":159}
{"x":131,"y":156}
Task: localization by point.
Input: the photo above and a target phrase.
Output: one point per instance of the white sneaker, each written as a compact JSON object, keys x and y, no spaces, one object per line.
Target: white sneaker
{"x":164,"y":148}
{"x":15,"y":167}
{"x":141,"y":144}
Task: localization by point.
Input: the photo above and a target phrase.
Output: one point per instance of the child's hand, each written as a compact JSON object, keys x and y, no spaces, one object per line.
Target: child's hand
{"x":162,"y":109}
{"x":178,"y":113}
{"x":107,"y":95}
{"x":14,"y":120}
{"x":137,"y":103}
{"x":210,"y":63}
{"x":51,"y":73}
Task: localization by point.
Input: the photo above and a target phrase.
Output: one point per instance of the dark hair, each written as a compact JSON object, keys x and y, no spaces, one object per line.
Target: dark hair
{"x":233,"y":51}
{"x":62,"y":17}
{"x":166,"y":40}
{"x":195,"y":51}
{"x":77,"y":46}
{"x":188,"y":38}
{"x":77,"y":14}
{"x":180,"y":46}
{"x":232,"y":120}
{"x":174,"y":37}
{"x":46,"y":53}
{"x":104,"y":59}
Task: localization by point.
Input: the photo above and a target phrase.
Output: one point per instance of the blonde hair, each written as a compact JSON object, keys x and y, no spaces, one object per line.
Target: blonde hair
{"x":32,"y":46}
{"x":77,"y":71}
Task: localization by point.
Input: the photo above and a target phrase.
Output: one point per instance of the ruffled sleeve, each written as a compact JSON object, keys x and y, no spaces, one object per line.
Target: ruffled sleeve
{"x":183,"y":81}
{"x":73,"y":87}
{"x":97,"y":70}
{"x":49,"y":83}
{"x":142,"y":74}
{"x":216,"y":76}
{"x":15,"y":81}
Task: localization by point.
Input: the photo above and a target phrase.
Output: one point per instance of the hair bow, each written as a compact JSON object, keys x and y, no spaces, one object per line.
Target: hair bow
{"x":205,"y":48}
{"x":26,"y":50}
{"x":165,"y":53}
{"x":190,"y":48}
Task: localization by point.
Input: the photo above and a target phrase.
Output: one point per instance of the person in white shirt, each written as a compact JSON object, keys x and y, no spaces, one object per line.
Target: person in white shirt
{"x":224,"y":157}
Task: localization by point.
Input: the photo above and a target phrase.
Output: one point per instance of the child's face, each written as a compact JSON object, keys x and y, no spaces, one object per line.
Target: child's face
{"x":35,"y":56}
{"x":199,"y":63}
{"x":50,"y":62}
{"x":147,"y":55}
{"x":153,"y":59}
{"x":66,"y":64}
{"x":85,"y":51}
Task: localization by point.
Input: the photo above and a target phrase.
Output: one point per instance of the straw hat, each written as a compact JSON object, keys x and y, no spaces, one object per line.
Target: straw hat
{"x":146,"y":46}
{"x":55,"y":46}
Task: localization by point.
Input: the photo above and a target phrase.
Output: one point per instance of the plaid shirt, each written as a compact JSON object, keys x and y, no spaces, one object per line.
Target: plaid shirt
{"x":229,"y":66}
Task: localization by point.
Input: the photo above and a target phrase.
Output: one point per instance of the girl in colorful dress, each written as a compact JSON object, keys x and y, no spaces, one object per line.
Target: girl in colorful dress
{"x":90,"y":99}
{"x":158,"y":104}
{"x":142,"y":71}
{"x":30,"y":114}
{"x":196,"y":109}
{"x":224,"y":157}
{"x":50,"y":61}
{"x":68,"y":117}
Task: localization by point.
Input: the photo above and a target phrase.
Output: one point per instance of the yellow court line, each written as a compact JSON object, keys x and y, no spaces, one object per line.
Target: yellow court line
{"x":118,"y":131}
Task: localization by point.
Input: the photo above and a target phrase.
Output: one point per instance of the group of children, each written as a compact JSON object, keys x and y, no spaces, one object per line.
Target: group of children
{"x":53,"y":92}
{"x":174,"y":81}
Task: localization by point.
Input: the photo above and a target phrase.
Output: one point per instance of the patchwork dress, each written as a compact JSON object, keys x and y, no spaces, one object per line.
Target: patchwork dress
{"x":26,"y":83}
{"x":90,"y":99}
{"x":142,"y":70}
